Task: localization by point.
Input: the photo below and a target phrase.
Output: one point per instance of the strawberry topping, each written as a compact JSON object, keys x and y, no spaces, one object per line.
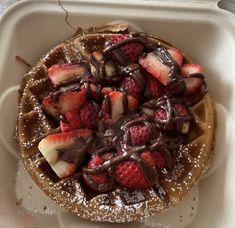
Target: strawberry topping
{"x":70,"y":121}
{"x":123,"y":113}
{"x":89,"y":115}
{"x":98,"y":178}
{"x":131,"y":50}
{"x":139,"y":135}
{"x":159,"y":159}
{"x":130,"y":86}
{"x":59,"y":73}
{"x":129,"y":175}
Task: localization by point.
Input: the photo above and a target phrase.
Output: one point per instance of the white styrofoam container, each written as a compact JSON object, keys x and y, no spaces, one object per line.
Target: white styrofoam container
{"x":205,"y":33}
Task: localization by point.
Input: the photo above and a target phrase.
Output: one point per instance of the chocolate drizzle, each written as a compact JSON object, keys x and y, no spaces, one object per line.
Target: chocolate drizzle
{"x":76,"y":153}
{"x":157,"y":142}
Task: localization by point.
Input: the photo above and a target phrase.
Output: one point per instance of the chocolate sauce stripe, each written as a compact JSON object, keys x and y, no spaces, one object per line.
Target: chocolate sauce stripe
{"x":149,"y":173}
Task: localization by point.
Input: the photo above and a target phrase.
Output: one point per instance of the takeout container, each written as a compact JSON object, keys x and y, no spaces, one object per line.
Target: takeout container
{"x":203,"y":31}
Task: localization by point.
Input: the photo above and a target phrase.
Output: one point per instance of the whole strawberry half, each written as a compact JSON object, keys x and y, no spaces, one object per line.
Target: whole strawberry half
{"x":70,"y":121}
{"x":128,"y":173}
{"x":131,"y":50}
{"x":88,"y":115}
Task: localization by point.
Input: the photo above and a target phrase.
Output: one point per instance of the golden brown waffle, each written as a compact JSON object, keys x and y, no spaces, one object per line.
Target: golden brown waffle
{"x":119,"y":205}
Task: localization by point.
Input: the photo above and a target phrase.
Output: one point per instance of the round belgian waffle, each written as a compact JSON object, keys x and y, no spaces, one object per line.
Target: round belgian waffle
{"x":120,"y":205}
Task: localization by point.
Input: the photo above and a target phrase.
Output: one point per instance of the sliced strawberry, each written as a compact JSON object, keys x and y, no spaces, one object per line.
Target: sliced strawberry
{"x":57,"y":146}
{"x":180,"y":109}
{"x":71,"y":101}
{"x":67,"y":102}
{"x":131,"y":50}
{"x":129,"y":175}
{"x":139,"y":135}
{"x":50,"y":106}
{"x":177,"y":55}
{"x":102,"y":178}
{"x":132,"y":103}
{"x":154,"y":89}
{"x":160,"y":114}
{"x":191,"y":68}
{"x":89,"y":115}
{"x":155,"y":67}
{"x":130,"y":86}
{"x":113,"y":106}
{"x":106,"y":90}
{"x":70,"y":121}
{"x":110,"y":70}
{"x":159,"y":160}
{"x":192,"y":83}
{"x":91,"y":90}
{"x":62,"y":72}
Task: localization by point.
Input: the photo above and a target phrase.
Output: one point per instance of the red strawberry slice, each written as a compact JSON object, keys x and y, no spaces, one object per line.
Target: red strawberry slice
{"x":50,"y":106}
{"x":89,"y":115}
{"x":62,"y":72}
{"x":91,"y":90}
{"x":106,"y":90}
{"x":131,"y":50}
{"x":180,"y":109}
{"x":129,"y":175}
{"x":56,"y":145}
{"x":155,"y":67}
{"x":71,"y":121}
{"x":113,"y":106}
{"x":139,"y":135}
{"x":154,"y":87}
{"x":102,"y":178}
{"x":193,"y":84}
{"x":67,"y":102}
{"x":159,"y":160}
{"x":191,"y":68}
{"x":71,"y":101}
{"x":160,"y":114}
{"x":130,"y":86}
{"x":177,"y":55}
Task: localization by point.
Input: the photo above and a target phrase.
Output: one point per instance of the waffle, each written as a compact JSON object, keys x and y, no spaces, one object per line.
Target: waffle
{"x":119,"y":205}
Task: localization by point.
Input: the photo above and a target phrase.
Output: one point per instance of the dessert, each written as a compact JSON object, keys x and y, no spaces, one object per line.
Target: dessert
{"x":114,"y":125}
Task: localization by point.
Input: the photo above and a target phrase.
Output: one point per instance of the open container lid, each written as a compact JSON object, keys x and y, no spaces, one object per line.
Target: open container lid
{"x":204,"y":32}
